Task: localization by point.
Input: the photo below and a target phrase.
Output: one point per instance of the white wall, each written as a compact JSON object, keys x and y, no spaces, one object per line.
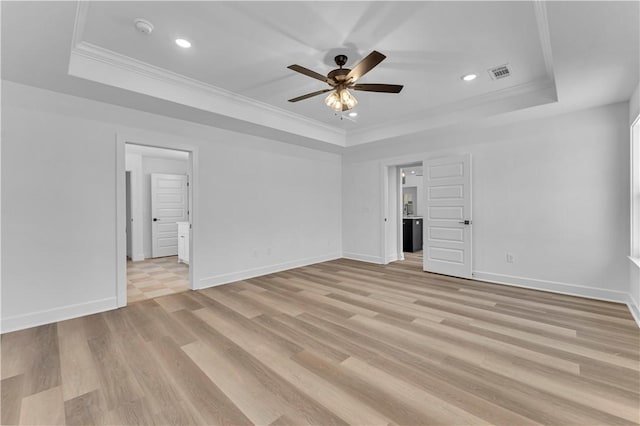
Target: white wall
{"x":155,"y":165}
{"x":361,"y":201}
{"x":58,"y":184}
{"x":634,"y":104}
{"x":634,"y":266}
{"x":553,"y":191}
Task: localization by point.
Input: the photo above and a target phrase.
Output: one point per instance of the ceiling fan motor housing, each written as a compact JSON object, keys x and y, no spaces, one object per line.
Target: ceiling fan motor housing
{"x":338,"y":75}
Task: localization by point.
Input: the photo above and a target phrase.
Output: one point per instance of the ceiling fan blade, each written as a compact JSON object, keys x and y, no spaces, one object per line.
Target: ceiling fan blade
{"x":309,"y":95}
{"x":386,"y":88}
{"x":365,"y":65}
{"x":308,"y":72}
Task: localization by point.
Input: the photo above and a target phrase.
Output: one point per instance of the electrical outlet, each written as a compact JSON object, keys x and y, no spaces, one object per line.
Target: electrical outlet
{"x":510,"y":258}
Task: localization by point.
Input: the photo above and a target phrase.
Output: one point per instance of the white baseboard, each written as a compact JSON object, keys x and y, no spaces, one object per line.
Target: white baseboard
{"x":633,"y":308}
{"x":393,"y":257}
{"x":362,"y":257}
{"x":263,"y":270}
{"x":138,"y":257}
{"x":553,"y":286}
{"x":19,"y":322}
{"x":564,"y":288}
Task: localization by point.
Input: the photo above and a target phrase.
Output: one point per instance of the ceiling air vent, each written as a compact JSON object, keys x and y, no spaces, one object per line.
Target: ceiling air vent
{"x":502,"y":71}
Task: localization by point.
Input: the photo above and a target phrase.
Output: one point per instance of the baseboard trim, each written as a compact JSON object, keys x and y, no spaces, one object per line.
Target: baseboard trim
{"x":633,"y":308}
{"x":20,"y":322}
{"x":553,"y":286}
{"x":362,"y":257}
{"x":392,"y":257}
{"x":264,"y":270}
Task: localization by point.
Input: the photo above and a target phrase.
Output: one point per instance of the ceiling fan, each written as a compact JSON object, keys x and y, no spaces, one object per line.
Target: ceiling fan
{"x":343,"y":79}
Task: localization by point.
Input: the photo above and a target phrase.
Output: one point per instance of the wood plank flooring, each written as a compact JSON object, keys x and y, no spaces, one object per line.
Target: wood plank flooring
{"x":151,"y":278}
{"x":336,"y":343}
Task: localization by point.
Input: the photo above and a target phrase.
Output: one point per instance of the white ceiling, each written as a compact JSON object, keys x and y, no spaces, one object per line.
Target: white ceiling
{"x":577,"y":54}
{"x":245,"y":47}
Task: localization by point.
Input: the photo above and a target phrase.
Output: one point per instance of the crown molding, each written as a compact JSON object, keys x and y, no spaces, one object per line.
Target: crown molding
{"x":101,"y":65}
{"x":127,"y":63}
{"x":98,"y":64}
{"x":525,"y":95}
{"x":542,"y":22}
{"x":105,"y":66}
{"x":79,"y":23}
{"x":488,"y":104}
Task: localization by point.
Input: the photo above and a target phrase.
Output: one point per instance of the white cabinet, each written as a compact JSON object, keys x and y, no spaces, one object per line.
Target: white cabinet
{"x":183,"y":242}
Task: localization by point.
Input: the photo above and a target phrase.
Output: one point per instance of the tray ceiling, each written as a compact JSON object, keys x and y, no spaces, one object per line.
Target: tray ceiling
{"x":236,"y":67}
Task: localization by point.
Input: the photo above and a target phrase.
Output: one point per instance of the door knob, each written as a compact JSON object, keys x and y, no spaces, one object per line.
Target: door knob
{"x":466,"y":222}
{"x":155,"y":219}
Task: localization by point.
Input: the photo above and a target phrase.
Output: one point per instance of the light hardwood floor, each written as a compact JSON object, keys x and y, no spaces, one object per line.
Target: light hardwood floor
{"x":340,"y":342}
{"x":151,"y":278}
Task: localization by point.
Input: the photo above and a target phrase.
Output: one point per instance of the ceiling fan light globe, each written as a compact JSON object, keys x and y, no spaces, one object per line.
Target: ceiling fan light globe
{"x":353,"y":102}
{"x":333,"y":101}
{"x":347,"y":99}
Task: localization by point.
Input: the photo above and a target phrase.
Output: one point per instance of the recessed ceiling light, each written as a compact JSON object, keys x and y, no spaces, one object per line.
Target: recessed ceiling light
{"x":413,"y":172}
{"x":469,"y":77}
{"x":353,"y":114}
{"x":183,"y":43}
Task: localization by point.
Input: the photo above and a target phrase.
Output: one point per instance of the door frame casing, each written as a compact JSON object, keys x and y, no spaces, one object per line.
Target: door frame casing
{"x":394,"y":162}
{"x":121,"y":239}
{"x":387,"y":166}
{"x":128,"y":212}
{"x":134,"y":168}
{"x":387,"y":205}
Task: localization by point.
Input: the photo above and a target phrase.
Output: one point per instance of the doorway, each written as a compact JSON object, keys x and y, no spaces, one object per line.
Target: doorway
{"x":412,"y":206}
{"x":402,"y":209}
{"x":155,"y":190}
{"x":427,"y":219}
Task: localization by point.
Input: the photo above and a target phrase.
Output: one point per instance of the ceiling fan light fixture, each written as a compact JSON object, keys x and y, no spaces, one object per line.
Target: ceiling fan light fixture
{"x":347,"y":99}
{"x":333,"y":101}
{"x":342,"y":79}
{"x":340,"y":100}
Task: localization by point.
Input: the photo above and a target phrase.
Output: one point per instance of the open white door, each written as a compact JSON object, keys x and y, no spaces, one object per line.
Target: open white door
{"x":447,"y":223}
{"x":169,"y":204}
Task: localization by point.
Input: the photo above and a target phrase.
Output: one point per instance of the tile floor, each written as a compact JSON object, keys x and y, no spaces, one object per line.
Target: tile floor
{"x":152,"y":278}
